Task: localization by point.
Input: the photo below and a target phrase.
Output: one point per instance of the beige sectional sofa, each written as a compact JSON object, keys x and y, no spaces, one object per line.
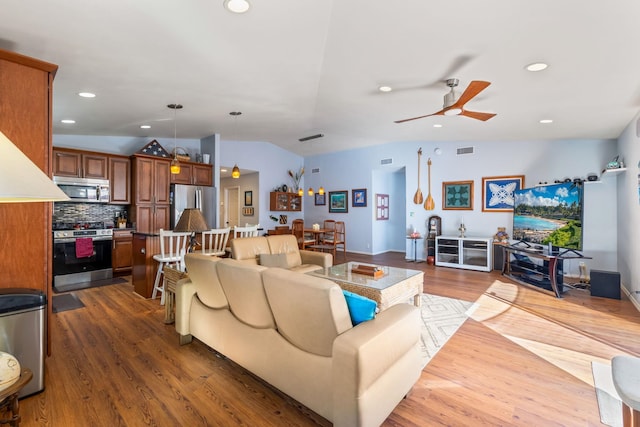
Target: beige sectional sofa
{"x":278,"y":251}
{"x":294,"y":331}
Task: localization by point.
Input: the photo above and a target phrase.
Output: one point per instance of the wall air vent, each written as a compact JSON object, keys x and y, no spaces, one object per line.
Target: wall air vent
{"x":315,"y":170}
{"x":386,"y":161}
{"x":465,"y":150}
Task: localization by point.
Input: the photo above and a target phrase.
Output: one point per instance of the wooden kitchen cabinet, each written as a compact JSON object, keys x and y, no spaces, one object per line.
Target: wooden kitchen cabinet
{"x":80,"y":164}
{"x":285,"y":202}
{"x":150,"y":210}
{"x":122,"y":252}
{"x":194,"y":174}
{"x":120,"y":179}
{"x":26,"y":88}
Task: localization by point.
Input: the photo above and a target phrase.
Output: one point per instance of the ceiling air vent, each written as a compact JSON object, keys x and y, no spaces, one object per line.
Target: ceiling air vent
{"x":386,"y":161}
{"x":315,"y":170}
{"x":465,"y":150}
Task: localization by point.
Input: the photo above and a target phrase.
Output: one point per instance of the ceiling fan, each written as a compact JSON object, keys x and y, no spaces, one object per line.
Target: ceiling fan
{"x":453,"y":107}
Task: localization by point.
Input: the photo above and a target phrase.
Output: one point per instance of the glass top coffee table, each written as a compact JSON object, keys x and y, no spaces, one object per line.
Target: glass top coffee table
{"x":396,"y":285}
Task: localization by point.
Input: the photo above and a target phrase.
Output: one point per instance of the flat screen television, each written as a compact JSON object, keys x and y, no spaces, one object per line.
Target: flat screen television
{"x":549,"y":214}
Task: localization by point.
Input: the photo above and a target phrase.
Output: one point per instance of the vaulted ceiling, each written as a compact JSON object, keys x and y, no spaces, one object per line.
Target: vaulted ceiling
{"x":296,"y":68}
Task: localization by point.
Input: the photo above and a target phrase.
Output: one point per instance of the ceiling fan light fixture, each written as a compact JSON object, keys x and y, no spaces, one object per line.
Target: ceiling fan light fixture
{"x":237,"y":6}
{"x":452,"y":111}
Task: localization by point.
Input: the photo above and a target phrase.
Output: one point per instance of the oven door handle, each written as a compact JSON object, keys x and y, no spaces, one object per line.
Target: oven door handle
{"x":73,"y":239}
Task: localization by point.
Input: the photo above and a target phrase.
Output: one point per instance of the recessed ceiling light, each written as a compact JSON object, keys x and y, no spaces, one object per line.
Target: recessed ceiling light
{"x":385,"y":89}
{"x":437,"y":125}
{"x":237,"y":6}
{"x":224,"y":170}
{"x":87,"y":95}
{"x":145,"y":127}
{"x":536,"y":66}
{"x":67,"y":121}
{"x":545,"y":121}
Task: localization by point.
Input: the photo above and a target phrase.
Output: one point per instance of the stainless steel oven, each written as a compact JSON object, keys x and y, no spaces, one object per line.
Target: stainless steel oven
{"x":81,"y":255}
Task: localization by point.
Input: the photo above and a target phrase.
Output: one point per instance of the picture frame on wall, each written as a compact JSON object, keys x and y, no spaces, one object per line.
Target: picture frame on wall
{"x":359,"y":198}
{"x":320,"y":199}
{"x":497,"y":192}
{"x":382,"y":207}
{"x":457,"y":195}
{"x":248,"y":198}
{"x":339,"y":201}
{"x":247,"y":211}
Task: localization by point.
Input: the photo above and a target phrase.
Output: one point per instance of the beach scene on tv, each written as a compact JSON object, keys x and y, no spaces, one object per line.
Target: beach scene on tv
{"x":549,"y":214}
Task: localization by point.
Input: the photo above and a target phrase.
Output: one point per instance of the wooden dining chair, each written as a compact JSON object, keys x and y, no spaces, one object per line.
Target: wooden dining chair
{"x":297,"y":229}
{"x":333,"y":239}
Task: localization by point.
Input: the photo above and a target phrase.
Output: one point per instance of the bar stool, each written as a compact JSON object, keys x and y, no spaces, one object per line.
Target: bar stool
{"x":214,"y":241}
{"x":625,"y":371}
{"x":173,"y":246}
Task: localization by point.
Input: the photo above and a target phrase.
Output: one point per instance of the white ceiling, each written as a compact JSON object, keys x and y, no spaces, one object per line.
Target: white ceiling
{"x":296,"y":68}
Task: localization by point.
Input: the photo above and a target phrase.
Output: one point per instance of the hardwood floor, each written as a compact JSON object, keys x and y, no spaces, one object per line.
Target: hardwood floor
{"x":115,"y":363}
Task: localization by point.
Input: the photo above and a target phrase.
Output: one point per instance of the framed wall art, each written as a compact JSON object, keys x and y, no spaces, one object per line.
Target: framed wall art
{"x":497,"y":192}
{"x":359,"y":198}
{"x":382,"y":207}
{"x":457,"y":195}
{"x":320,"y":199}
{"x":247,"y":211}
{"x":248,"y":198}
{"x":338,"y":201}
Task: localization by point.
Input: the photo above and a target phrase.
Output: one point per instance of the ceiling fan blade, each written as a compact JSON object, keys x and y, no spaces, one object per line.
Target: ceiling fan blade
{"x":439,"y":113}
{"x":474,"y":88}
{"x":477,"y":115}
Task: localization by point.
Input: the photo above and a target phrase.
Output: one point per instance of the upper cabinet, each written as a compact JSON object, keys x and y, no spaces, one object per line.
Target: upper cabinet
{"x":285,"y":201}
{"x":80,"y":164}
{"x":120,"y":179}
{"x":194,"y":174}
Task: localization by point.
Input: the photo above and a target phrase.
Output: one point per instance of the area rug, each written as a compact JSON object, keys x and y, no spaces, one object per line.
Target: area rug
{"x":441,"y":318}
{"x":65,"y":302}
{"x":609,"y":403}
{"x":86,"y":285}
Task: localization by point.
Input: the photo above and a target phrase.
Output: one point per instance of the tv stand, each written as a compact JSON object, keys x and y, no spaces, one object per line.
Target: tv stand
{"x":522,"y":264}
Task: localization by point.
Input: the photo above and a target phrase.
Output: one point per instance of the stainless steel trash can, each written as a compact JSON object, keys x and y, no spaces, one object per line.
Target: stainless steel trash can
{"x":23,"y":316}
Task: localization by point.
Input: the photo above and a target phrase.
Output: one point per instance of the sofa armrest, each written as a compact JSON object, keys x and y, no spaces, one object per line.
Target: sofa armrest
{"x":375,"y":364}
{"x":322,"y":259}
{"x":185,"y":291}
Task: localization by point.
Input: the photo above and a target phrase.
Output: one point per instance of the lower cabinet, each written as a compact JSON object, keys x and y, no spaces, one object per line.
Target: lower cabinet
{"x":471,"y":253}
{"x":122,"y":254}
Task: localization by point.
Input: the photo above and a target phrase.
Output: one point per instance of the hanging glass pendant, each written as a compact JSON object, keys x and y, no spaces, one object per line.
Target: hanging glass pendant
{"x":175,"y":166}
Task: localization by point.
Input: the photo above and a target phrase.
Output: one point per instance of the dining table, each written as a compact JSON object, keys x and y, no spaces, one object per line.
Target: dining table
{"x":317,"y":233}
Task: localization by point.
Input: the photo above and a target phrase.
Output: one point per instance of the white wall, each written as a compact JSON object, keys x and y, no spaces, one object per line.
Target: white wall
{"x":628,"y":203}
{"x":537,"y":160}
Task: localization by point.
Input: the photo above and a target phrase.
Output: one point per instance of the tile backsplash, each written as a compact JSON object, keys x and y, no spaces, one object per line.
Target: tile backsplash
{"x":86,"y":212}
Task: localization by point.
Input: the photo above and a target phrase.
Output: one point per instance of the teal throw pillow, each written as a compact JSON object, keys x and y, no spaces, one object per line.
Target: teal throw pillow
{"x":361,"y":308}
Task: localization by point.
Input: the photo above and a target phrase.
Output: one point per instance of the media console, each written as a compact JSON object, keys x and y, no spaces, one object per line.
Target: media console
{"x":526,"y":264}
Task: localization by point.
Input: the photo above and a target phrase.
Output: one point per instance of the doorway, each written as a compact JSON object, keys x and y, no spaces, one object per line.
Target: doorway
{"x":231,"y":207}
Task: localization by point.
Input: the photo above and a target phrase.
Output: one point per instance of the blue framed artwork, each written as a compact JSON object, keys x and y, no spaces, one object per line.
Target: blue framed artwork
{"x":497,"y":192}
{"x":338,"y":202}
{"x":359,"y":198}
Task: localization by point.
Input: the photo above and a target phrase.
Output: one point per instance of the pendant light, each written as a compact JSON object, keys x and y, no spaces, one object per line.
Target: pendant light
{"x":300,"y":192}
{"x":175,"y":164}
{"x":235,"y":172}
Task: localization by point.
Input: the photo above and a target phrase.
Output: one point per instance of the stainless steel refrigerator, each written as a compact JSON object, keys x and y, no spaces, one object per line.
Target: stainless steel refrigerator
{"x":193,"y":196}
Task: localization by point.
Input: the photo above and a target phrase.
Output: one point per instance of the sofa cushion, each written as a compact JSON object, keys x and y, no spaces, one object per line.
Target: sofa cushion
{"x":310,"y":312}
{"x":361,"y":308}
{"x":286,"y":244}
{"x":202,"y":272}
{"x":248,"y":249}
{"x":242,"y":285}
{"x":273,"y":260}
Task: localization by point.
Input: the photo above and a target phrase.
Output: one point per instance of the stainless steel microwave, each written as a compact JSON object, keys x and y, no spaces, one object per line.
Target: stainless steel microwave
{"x":86,"y":190}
